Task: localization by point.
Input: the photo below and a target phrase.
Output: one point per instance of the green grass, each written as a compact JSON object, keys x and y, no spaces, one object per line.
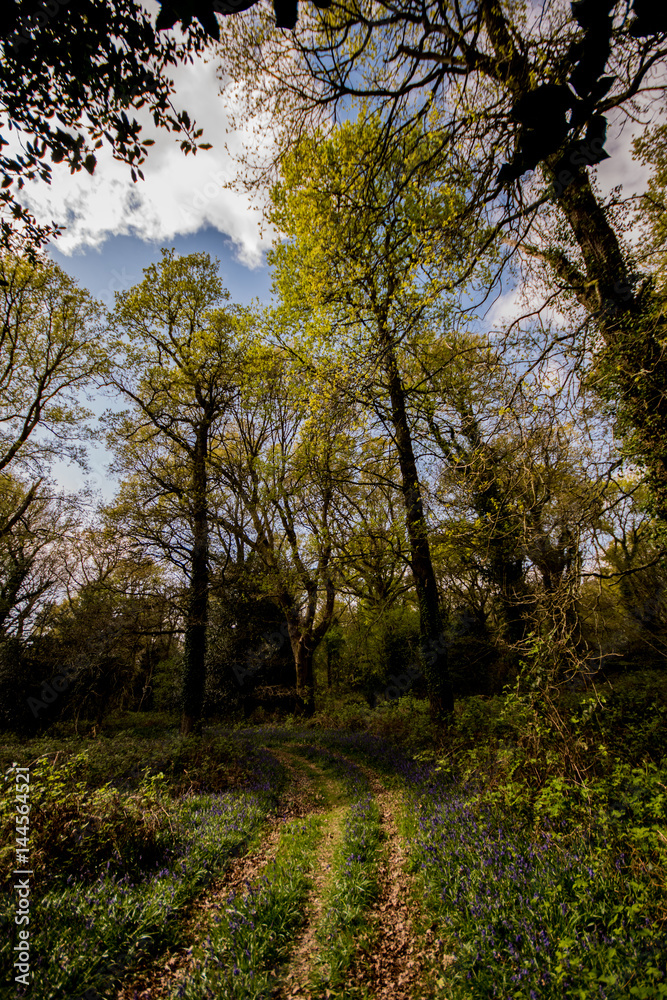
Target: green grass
{"x":572,"y":906}
{"x":115,"y":872}
{"x":255,"y":931}
{"x":353,"y":887}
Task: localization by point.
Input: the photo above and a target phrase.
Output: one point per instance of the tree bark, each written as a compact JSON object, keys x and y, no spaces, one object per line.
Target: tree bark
{"x":305,"y":637}
{"x":433,"y":644}
{"x":305,"y":681}
{"x":194,"y":666}
{"x":633,"y":367}
{"x":633,"y":364}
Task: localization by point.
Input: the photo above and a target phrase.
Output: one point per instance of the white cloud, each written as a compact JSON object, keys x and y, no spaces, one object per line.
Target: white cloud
{"x":180,"y":194}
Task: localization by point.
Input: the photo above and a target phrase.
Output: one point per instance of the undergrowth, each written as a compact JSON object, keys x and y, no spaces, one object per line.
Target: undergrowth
{"x":92,"y":925}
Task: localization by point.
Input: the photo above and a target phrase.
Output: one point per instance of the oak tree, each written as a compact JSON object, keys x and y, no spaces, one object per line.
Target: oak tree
{"x":176,"y":347}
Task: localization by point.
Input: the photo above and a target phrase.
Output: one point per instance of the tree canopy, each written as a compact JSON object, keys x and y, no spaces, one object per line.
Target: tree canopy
{"x":521,"y":105}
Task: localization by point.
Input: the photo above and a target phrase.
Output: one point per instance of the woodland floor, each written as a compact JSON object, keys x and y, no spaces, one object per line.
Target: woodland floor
{"x":391,"y":955}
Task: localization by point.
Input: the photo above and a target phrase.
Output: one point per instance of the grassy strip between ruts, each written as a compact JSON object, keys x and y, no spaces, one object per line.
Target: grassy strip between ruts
{"x":354,"y":883}
{"x":353,"y":887}
{"x":245,"y":945}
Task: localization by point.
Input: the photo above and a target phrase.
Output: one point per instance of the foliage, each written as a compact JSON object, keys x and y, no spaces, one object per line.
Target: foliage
{"x":90,"y":938}
{"x":59,"y":59}
{"x":538,"y":870}
{"x":375,"y":643}
{"x":248,"y":636}
{"x":176,"y":349}
{"x":592,"y":923}
{"x":77,"y":831}
{"x":521,"y":110}
{"x":49,"y":350}
{"x":290,"y":427}
{"x":364,"y":275}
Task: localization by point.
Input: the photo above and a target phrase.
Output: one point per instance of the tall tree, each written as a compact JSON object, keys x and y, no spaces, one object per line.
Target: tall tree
{"x":520,"y":492}
{"x":32,"y":564}
{"x":176,"y":350}
{"x":374,"y":553}
{"x":289,"y":458}
{"x":115,"y":624}
{"x":376,"y":259}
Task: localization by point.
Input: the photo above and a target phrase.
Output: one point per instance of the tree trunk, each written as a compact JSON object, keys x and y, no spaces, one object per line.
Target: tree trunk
{"x":433,"y":644}
{"x":305,"y":681}
{"x":632,"y":324}
{"x":634,"y":364}
{"x":194,"y":666}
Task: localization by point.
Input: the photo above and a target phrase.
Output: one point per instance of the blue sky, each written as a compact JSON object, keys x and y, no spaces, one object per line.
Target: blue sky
{"x":117,"y":264}
{"x":114,"y":228}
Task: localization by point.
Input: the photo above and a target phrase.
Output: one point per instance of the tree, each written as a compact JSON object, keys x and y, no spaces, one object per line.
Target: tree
{"x":651,"y":148}
{"x":503,"y":95}
{"x":628,"y":589}
{"x":205,"y":10}
{"x":519,"y":495}
{"x":116,"y":623}
{"x":373,"y":552}
{"x":72,"y":69}
{"x":49,"y":352}
{"x":287,"y":458}
{"x":176,"y":346}
{"x":31,"y":566}
{"x":33,"y":557}
{"x":250,"y":652}
{"x":376,"y":260}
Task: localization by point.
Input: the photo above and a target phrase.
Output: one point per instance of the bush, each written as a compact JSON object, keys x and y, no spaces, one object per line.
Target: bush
{"x":78,"y":831}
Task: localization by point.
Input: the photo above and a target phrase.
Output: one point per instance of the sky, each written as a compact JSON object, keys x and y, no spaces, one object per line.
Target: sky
{"x":115,"y":228}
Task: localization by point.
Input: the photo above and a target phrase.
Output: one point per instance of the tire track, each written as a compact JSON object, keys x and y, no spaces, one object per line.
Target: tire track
{"x":393,"y":964}
{"x":158,"y":980}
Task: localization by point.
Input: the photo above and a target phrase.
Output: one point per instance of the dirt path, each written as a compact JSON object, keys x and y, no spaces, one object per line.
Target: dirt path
{"x":294,"y":982}
{"x":394,"y":961}
{"x":300,"y":798}
{"x":394,"y":966}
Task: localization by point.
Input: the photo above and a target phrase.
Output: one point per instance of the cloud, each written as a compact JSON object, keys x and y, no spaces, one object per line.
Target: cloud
{"x":180,"y":194}
{"x":621,"y":168}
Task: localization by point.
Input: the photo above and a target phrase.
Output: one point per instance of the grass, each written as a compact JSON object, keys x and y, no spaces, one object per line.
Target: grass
{"x":122,"y":757}
{"x":248,"y":941}
{"x":353,"y":887}
{"x":557,"y":909}
{"x":91,"y":920}
{"x":538,"y":847}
